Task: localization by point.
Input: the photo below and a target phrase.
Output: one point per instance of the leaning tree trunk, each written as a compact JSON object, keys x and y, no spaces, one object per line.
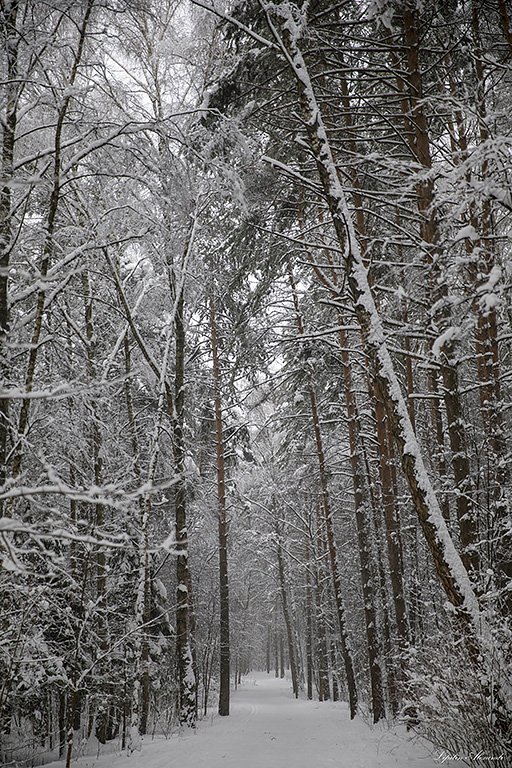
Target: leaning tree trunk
{"x":417,"y":132}
{"x":449,"y":566}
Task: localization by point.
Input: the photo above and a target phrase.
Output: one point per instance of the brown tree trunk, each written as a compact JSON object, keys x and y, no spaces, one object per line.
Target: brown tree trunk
{"x":98,"y":520}
{"x":309,"y":623}
{"x":223,"y":526}
{"x":331,"y":543}
{"x":430,"y":233}
{"x":321,"y":597}
{"x":505,"y":23}
{"x":286,"y":612}
{"x":487,"y":346}
{"x":393,"y":535}
{"x":363,"y":516}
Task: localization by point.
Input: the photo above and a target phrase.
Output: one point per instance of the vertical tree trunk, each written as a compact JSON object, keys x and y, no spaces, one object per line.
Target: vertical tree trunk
{"x":505,"y":23}
{"x":333,"y":560}
{"x":98,"y":521}
{"x":74,"y":697}
{"x":276,"y":643}
{"x":286,"y":612}
{"x":393,"y":536}
{"x":322,"y":595}
{"x":363,"y":516}
{"x":486,"y":343}
{"x":331,"y":543}
{"x":140,"y":696}
{"x":223,"y":527}
{"x":309,"y":623}
{"x":186,"y":674}
{"x":420,"y":146}
{"x":9,"y":18}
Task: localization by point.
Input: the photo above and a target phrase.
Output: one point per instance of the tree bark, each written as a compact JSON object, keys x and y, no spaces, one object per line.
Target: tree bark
{"x":412,"y":105}
{"x":186,"y":674}
{"x":140,"y":697}
{"x":363,"y":516}
{"x":322,"y":594}
{"x":286,"y":612}
{"x":224,"y":686}
{"x":9,"y":19}
{"x":309,"y":623}
{"x":98,"y":521}
{"x":331,"y":543}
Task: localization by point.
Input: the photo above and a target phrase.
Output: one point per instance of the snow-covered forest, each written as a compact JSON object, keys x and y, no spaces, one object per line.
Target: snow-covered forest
{"x":256,"y":366}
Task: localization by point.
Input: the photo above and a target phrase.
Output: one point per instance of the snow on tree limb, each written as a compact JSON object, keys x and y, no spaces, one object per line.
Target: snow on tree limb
{"x":453,"y":575}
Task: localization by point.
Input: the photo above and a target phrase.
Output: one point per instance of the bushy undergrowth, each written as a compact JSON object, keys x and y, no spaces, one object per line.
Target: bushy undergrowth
{"x":456,"y":706}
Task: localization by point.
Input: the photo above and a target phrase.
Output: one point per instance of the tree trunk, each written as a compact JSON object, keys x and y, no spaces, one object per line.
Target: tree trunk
{"x":363,"y":516}
{"x":186,"y":674}
{"x":331,"y":543}
{"x":505,"y":23}
{"x":140,"y":699}
{"x":276,"y":643}
{"x":12,"y":86}
{"x":286,"y":612}
{"x":223,"y":526}
{"x":309,"y":624}
{"x":322,"y":594}
{"x":449,"y":567}
{"x":486,"y":341}
{"x":420,"y":145}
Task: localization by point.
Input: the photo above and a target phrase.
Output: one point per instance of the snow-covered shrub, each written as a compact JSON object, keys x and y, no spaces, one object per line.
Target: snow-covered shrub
{"x":455,"y":705}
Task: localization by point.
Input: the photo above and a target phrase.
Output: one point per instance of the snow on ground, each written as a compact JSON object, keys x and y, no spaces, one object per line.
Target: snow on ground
{"x":269,"y":728}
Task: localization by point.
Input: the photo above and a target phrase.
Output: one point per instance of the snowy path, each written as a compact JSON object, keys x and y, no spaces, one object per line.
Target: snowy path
{"x":268,"y":728}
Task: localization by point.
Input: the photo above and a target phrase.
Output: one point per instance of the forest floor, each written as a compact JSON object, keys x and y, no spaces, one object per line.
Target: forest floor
{"x":269,"y":728}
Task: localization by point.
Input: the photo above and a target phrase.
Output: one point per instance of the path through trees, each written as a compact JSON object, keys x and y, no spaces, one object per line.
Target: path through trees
{"x":269,"y":727}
